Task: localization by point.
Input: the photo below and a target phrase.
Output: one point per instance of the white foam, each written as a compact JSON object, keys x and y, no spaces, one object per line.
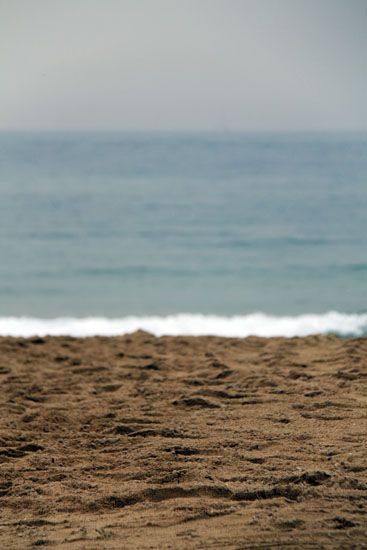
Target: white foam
{"x":258,"y":324}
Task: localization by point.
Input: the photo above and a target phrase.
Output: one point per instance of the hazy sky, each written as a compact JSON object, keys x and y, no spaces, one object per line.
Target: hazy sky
{"x":183,"y":64}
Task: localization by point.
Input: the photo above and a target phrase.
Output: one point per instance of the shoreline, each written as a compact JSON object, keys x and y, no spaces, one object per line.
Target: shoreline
{"x":345,"y":325}
{"x":139,"y":441}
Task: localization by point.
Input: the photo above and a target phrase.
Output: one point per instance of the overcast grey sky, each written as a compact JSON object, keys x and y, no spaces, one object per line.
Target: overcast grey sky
{"x":183,"y":64}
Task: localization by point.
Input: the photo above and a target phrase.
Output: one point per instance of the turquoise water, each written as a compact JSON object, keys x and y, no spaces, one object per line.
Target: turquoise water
{"x":112,"y":225}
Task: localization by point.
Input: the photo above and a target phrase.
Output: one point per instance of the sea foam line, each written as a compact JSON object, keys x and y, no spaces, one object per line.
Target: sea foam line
{"x":257,"y":324}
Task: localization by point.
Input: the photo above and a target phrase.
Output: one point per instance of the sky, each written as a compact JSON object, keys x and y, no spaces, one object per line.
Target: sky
{"x":170,"y":65}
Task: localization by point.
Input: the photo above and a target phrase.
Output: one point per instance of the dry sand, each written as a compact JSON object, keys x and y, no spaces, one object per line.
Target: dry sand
{"x":143,"y":442}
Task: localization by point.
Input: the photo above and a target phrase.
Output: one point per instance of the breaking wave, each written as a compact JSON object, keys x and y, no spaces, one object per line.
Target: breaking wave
{"x":257,"y":324}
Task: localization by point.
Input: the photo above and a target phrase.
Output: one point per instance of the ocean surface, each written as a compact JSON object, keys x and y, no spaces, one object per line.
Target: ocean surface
{"x":233,"y":234}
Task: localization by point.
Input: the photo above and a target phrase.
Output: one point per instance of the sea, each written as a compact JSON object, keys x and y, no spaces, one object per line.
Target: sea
{"x":183,"y":233}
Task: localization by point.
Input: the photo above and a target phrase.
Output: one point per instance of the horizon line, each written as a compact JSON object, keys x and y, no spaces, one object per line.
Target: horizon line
{"x":184,"y":130}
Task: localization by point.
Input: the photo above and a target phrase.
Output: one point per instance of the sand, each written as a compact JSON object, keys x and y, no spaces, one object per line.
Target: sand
{"x":175,"y":442}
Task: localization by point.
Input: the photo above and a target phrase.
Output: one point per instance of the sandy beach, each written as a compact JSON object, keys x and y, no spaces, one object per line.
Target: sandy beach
{"x":177,"y":442}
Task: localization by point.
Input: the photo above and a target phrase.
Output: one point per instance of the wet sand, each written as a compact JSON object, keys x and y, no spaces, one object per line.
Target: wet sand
{"x":144,"y":442}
